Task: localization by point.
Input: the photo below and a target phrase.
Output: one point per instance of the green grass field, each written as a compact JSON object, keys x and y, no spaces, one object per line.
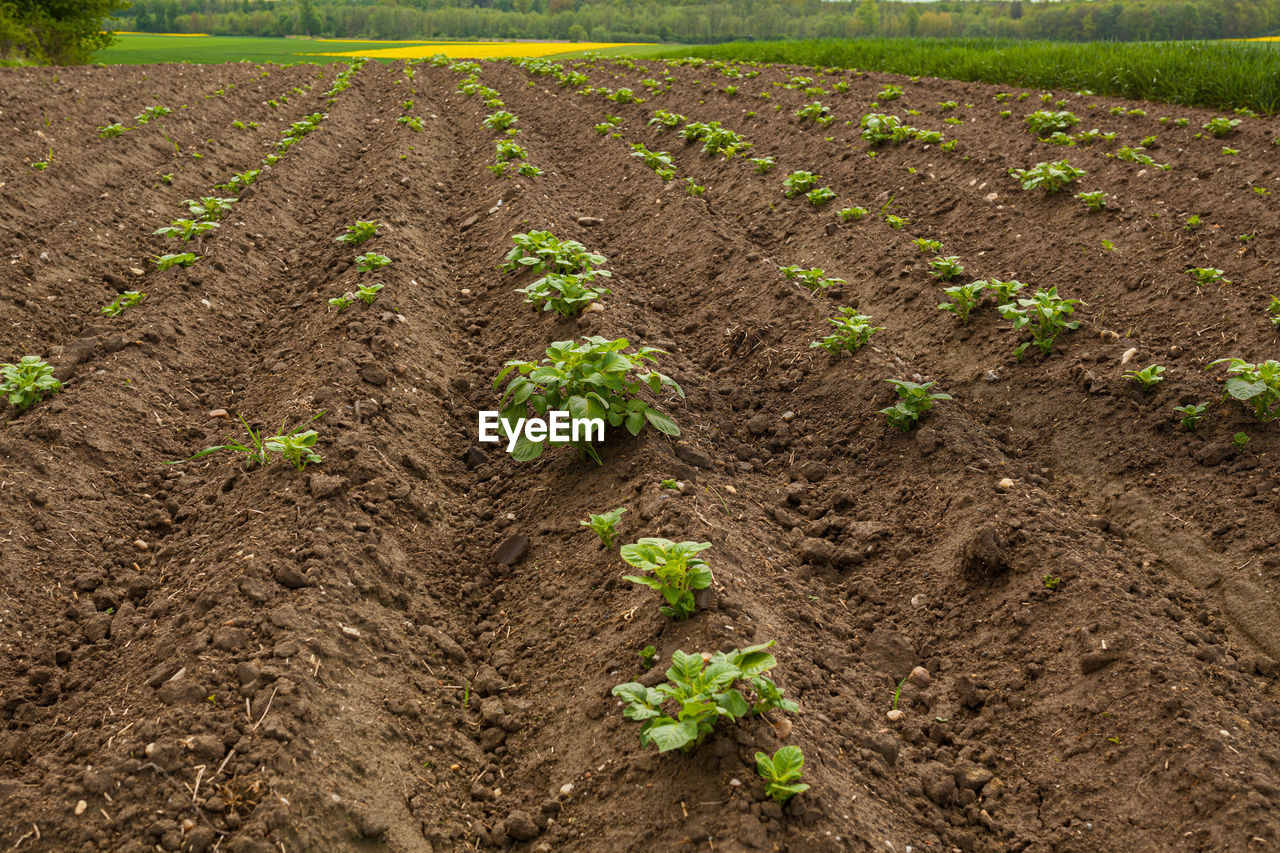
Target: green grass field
{"x":146,"y":48}
{"x":1223,"y":74}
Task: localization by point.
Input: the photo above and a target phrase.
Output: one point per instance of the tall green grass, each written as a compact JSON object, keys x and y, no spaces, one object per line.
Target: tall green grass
{"x":1192,"y":73}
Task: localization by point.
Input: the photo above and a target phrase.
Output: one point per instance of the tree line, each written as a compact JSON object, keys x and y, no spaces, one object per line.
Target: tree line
{"x":699,"y":21}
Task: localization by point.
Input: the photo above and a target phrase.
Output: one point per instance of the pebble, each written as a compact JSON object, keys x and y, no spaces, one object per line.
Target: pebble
{"x":141,"y":545}
{"x":588,"y":221}
{"x":1128,"y":355}
{"x":920,"y":677}
{"x":788,"y":416}
{"x":219,"y":413}
{"x":136,"y":271}
{"x":349,"y":631}
{"x":566,"y":789}
{"x":896,"y":714}
{"x":81,"y":806}
{"x":733,"y":783}
{"x":1005,"y":484}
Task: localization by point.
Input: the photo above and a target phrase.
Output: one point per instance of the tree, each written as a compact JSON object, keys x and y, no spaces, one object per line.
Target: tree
{"x":308,"y":20}
{"x":577,"y":33}
{"x":868,"y":15}
{"x":67,"y":32}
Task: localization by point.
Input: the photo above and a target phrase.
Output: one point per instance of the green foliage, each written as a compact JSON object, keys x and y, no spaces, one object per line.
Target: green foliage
{"x":1045,"y":122}
{"x":370,"y":261}
{"x":715,"y":139}
{"x":815,"y":112}
{"x":294,"y":446}
{"x":27,"y":382}
{"x":820,"y":196}
{"x":1273,"y":309}
{"x":692,"y":188}
{"x":1192,"y":414}
{"x":211,"y":208}
{"x":672,"y":570}
{"x":914,"y":400}
{"x":500,"y":120}
{"x":1005,"y":291}
{"x":889,"y":93}
{"x":624,"y":96}
{"x":799,"y":182}
{"x":1051,"y":177}
{"x":1147,"y":377}
{"x":852,"y":214}
{"x":816,"y":280}
{"x":603,"y":525}
{"x":897,"y":223}
{"x":128,"y":299}
{"x":1221,"y":126}
{"x":343,"y":302}
{"x":180,"y":259}
{"x":705,"y":692}
{"x":946,"y":268}
{"x":1095,"y":200}
{"x":763,"y":164}
{"x":1240,"y":439}
{"x":1045,"y":314}
{"x":361,"y":231}
{"x":151,"y":114}
{"x":1256,"y":385}
{"x":508,"y":151}
{"x":185,"y":229}
{"x":852,"y":331}
{"x":1207,"y":275}
{"x":666,"y":119}
{"x":782,"y":773}
{"x":240,"y":180}
{"x":1052,"y":582}
{"x":565,"y":293}
{"x":594,"y":379}
{"x":368,"y":293}
{"x":542,"y":251}
{"x":927,"y":245}
{"x":111,"y":131}
{"x":963,"y":298}
{"x":414,"y":123}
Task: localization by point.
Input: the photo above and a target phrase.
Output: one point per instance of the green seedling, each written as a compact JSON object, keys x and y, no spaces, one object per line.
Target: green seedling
{"x":27,"y":382}
{"x":412,"y":122}
{"x":240,"y":180}
{"x":852,"y":214}
{"x":1256,"y":385}
{"x":501,"y":120}
{"x":293,"y":446}
{"x":603,"y":525}
{"x":1221,"y":126}
{"x":1147,"y":377}
{"x":763,"y":164}
{"x":693,"y":189}
{"x":927,"y":245}
{"x":963,"y":298}
{"x":565,"y":293}
{"x":185,"y":229}
{"x":1192,"y":222}
{"x":1045,"y":314}
{"x":669,"y":484}
{"x":1207,"y":275}
{"x":648,"y":657}
{"x":673,"y":571}
{"x":1045,"y":122}
{"x":361,"y":231}
{"x":815,"y":112}
{"x":594,"y":379}
{"x":343,"y":302}
{"x":820,"y":196}
{"x":889,"y":93}
{"x":128,"y":299}
{"x":852,"y":331}
{"x":179,"y":259}
{"x":914,"y":401}
{"x":1274,"y":311}
{"x":368,"y":293}
{"x":370,"y":261}
{"x":1051,"y":177}
{"x":782,"y":773}
{"x":799,"y":182}
{"x":211,"y":208}
{"x":111,"y":131}
{"x":151,"y":114}
{"x":528,"y":170}
{"x":506,"y":151}
{"x":542,"y":251}
{"x":1005,"y":291}
{"x":1052,"y":582}
{"x":946,"y":268}
{"x":897,"y":223}
{"x":714,"y":138}
{"x":666,"y":119}
{"x":166,"y":179}
{"x":705,"y":693}
{"x":1095,"y":200}
{"x":1192,"y":414}
{"x":1240,"y":439}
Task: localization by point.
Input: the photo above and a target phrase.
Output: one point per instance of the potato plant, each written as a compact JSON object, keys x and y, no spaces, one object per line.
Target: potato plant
{"x":1045,"y":314}
{"x":111,"y":131}
{"x":816,"y":279}
{"x":28,"y":382}
{"x":1221,"y":126}
{"x":763,"y":164}
{"x":593,"y":379}
{"x":211,"y":208}
{"x":946,"y":268}
{"x":820,"y":196}
{"x":1256,"y":385}
{"x":815,"y":112}
{"x":1005,"y":291}
{"x":963,"y":298}
{"x":666,"y":119}
{"x":565,"y":293}
{"x":185,"y":229}
{"x":1148,"y":377}
{"x":851,"y":214}
{"x":151,"y":114}
{"x":852,"y":331}
{"x":500,"y":120}
{"x":725,"y":687}
{"x":179,"y":259}
{"x":128,"y":299}
{"x":542,"y":251}
{"x":1094,"y":201}
{"x":1045,"y":122}
{"x":294,"y":446}
{"x":1192,"y":414}
{"x":799,"y":182}
{"x":781,"y":773}
{"x":361,"y":231}
{"x":715,"y":139}
{"x":370,"y":261}
{"x":914,"y":401}
{"x":604,"y":524}
{"x":672,"y":570}
{"x":1207,"y":275}
{"x":1050,"y":177}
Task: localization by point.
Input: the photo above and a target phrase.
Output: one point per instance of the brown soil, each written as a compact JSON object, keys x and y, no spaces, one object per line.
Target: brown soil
{"x":199,"y":657}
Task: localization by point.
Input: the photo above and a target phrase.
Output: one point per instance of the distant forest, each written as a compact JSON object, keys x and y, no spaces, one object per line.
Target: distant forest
{"x":698,"y":21}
